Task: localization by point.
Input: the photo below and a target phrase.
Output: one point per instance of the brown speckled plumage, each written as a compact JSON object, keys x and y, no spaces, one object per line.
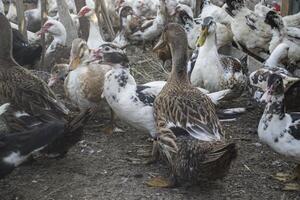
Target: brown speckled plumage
{"x":19,"y":86}
{"x":190,"y":134}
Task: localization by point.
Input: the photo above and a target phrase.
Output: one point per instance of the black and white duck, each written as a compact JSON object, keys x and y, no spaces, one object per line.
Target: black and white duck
{"x":280,"y":130}
{"x":259,"y":78}
{"x":281,"y":34}
{"x":249,"y":29}
{"x":32,"y":135}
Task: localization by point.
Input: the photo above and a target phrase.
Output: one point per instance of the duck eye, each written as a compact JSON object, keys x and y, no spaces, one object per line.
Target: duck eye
{"x":106,"y":48}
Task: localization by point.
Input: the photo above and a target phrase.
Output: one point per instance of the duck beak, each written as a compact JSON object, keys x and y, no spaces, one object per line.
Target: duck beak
{"x":266,"y":97}
{"x":203,"y":36}
{"x":74,"y":63}
{"x":160,"y":44}
{"x":52,"y":80}
{"x":288,"y":81}
{"x":42,"y":31}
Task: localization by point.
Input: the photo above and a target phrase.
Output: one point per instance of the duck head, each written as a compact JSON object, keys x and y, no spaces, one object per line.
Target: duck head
{"x":112,"y":54}
{"x":275,"y":89}
{"x":80,"y":53}
{"x":86,"y":12}
{"x":54,"y":28}
{"x":58,"y":73}
{"x":274,"y":20}
{"x":233,"y":6}
{"x":184,"y":13}
{"x":208,"y":28}
{"x":126,"y":14}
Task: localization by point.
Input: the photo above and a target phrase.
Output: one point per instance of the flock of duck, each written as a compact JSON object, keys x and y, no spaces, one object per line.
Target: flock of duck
{"x":180,"y":114}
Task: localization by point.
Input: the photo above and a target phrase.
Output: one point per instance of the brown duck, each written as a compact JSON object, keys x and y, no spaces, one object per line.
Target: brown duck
{"x":190,"y":138}
{"x":32,"y":102}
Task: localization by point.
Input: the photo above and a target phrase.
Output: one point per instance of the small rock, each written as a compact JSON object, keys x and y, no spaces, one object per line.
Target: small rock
{"x":138,"y":175}
{"x":257,"y":144}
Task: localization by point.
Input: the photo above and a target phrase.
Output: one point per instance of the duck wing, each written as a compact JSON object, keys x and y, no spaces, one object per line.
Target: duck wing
{"x":29,"y":92}
{"x":191,"y":113}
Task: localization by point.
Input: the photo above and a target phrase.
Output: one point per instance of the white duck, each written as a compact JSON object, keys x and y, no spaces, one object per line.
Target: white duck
{"x":218,"y":13}
{"x":12,"y":12}
{"x":152,"y":29}
{"x":292,"y":20}
{"x":282,"y":34}
{"x":248,"y":28}
{"x":192,"y":26}
{"x":1,"y":7}
{"x":210,"y":70}
{"x":58,"y":31}
{"x":145,"y":8}
{"x":280,"y":130}
{"x":95,"y":39}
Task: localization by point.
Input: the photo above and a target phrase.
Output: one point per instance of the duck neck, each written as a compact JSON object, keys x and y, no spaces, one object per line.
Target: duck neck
{"x":210,"y":43}
{"x":179,"y":61}
{"x":209,"y":52}
{"x":39,"y":6}
{"x":276,"y":106}
{"x":94,"y":28}
{"x":274,"y":58}
{"x":60,"y":38}
{"x":5,"y":41}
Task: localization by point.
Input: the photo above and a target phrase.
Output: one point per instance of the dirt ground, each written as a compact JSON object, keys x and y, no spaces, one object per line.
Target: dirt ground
{"x":109,"y":166}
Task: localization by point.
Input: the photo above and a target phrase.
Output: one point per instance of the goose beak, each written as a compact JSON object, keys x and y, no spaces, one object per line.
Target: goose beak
{"x":160,"y":44}
{"x":203,"y":36}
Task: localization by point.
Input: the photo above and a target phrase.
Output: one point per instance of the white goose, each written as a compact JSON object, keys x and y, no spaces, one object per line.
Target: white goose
{"x":95,"y":39}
